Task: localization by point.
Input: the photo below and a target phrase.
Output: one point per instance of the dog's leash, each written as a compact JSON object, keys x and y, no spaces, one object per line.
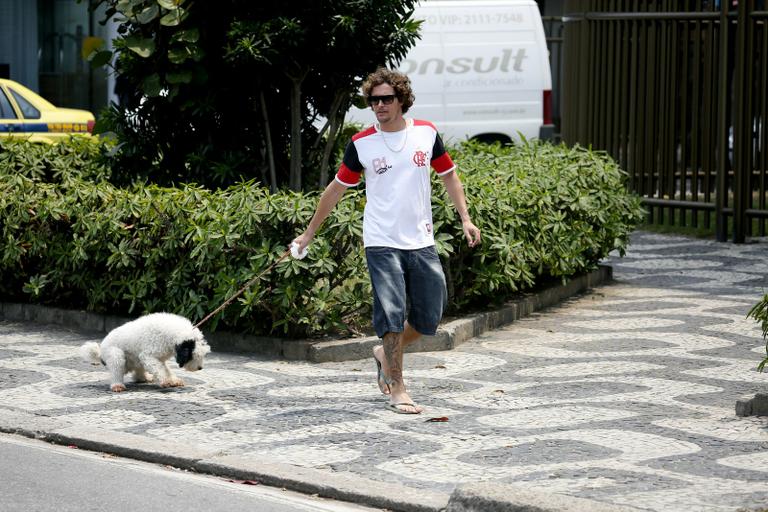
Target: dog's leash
{"x":241,"y":290}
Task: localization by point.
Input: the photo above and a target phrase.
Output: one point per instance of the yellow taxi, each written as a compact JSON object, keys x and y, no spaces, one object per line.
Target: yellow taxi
{"x":25,"y":114}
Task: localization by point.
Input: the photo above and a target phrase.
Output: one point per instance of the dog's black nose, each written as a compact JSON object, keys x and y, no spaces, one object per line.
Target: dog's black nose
{"x":200,"y":368}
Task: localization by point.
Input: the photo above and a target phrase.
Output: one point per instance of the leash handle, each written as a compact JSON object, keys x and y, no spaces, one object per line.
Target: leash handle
{"x":241,"y":290}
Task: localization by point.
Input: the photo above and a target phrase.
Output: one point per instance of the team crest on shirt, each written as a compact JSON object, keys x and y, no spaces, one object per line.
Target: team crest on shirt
{"x":379,"y":165}
{"x":420,"y":158}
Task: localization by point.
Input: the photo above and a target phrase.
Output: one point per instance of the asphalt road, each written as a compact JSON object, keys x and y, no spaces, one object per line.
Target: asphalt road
{"x":40,"y":477}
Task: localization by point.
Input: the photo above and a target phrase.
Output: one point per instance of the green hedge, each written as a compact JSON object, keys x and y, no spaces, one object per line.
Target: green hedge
{"x":544,"y":211}
{"x":70,"y":238}
{"x":83,"y":157}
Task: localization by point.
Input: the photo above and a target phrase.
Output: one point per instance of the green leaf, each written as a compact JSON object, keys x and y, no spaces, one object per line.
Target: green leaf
{"x":144,"y":47}
{"x":170,"y":4}
{"x":179,"y":77}
{"x":178,"y":55}
{"x":152,"y":86}
{"x":148,"y":14}
{"x":127,"y":7}
{"x":100,"y":58}
{"x":174,"y":18}
{"x":191,"y":35}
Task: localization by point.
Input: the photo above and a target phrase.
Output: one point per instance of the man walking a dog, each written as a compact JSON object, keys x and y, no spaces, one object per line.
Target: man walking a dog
{"x":395,"y":155}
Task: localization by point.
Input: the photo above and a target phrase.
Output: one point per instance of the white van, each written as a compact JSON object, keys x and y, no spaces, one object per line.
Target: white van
{"x":480,"y":70}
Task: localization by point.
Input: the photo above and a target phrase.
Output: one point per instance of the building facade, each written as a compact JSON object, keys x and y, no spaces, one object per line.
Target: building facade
{"x":41,"y":47}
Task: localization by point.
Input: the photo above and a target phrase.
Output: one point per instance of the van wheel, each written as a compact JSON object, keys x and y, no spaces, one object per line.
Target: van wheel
{"x":490,"y":138}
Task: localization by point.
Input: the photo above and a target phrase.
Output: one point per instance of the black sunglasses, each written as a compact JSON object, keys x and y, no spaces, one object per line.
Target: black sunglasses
{"x":387,"y":99}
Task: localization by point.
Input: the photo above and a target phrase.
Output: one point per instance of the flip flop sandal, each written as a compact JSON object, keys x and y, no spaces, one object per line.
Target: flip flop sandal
{"x":380,"y":376}
{"x":396,"y":408}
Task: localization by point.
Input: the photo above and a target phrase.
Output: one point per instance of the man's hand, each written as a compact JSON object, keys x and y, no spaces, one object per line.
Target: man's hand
{"x":471,"y":232}
{"x":303,"y":240}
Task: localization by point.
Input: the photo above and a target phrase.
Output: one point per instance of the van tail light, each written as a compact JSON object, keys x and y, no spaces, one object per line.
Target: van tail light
{"x":547,"y":114}
{"x":91,"y":123}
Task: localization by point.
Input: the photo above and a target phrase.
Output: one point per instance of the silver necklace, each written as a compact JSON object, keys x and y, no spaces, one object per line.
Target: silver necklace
{"x":405,"y":139}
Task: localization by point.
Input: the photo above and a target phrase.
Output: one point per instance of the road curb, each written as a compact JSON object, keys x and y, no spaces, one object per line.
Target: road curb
{"x":450,"y":334}
{"x":337,"y":485}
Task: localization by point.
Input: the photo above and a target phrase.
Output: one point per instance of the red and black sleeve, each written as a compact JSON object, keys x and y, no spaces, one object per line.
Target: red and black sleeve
{"x":441,"y":160}
{"x":350,"y":168}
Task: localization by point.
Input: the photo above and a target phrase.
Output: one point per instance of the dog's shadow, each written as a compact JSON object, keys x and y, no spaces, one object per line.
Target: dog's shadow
{"x":91,"y":388}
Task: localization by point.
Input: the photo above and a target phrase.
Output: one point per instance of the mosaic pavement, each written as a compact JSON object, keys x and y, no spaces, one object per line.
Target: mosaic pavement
{"x":625,"y":395}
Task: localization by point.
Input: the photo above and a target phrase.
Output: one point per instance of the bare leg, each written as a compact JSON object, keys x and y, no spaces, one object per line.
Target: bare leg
{"x":393,"y":349}
{"x":408,"y":336}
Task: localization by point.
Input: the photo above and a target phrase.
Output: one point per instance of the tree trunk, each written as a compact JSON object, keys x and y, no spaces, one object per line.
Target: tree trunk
{"x":337,"y":121}
{"x":294,"y":181}
{"x":268,"y":143}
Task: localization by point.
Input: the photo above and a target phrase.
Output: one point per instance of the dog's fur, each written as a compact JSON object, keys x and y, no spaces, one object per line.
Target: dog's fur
{"x":143,"y":347}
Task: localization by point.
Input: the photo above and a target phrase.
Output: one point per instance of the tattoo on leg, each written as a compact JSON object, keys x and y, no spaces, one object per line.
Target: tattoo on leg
{"x":393,"y":349}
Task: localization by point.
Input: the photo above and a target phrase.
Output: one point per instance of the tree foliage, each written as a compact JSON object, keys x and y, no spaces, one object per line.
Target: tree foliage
{"x":217,"y":91}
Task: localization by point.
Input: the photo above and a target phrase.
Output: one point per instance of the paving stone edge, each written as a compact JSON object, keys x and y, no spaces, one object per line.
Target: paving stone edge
{"x":450,"y":334}
{"x":341,"y":486}
{"x":468,"y":497}
{"x":496,"y":497}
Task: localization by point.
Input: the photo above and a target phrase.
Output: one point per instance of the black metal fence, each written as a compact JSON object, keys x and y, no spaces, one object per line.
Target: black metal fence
{"x":553,"y":30}
{"x":677,"y":92}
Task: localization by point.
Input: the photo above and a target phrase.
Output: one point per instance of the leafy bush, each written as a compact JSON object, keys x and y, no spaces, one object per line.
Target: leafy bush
{"x":68,"y":237}
{"x":760,"y":313}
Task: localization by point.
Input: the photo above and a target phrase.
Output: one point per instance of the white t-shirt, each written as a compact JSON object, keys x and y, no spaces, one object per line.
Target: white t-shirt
{"x":398,"y":211}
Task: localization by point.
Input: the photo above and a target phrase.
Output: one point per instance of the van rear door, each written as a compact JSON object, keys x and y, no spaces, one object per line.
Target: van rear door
{"x":480,"y":69}
{"x":485,"y":63}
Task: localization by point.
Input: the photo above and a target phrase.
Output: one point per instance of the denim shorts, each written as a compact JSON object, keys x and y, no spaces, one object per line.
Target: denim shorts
{"x":406,"y":284}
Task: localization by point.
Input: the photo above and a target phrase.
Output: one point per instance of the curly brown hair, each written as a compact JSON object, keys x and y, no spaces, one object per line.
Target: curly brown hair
{"x":399,"y":82}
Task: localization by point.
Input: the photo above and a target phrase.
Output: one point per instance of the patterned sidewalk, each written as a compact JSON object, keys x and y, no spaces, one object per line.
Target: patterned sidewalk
{"x":625,"y":395}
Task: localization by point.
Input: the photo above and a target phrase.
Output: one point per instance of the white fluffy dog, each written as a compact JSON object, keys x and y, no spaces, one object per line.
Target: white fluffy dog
{"x":143,"y":347}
